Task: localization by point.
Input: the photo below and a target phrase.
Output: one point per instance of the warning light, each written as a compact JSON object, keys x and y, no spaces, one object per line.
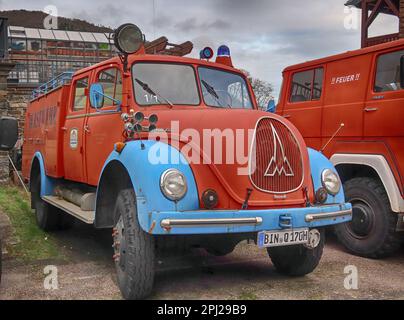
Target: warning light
{"x":206,"y":53}
{"x":223,"y":51}
{"x":223,"y":56}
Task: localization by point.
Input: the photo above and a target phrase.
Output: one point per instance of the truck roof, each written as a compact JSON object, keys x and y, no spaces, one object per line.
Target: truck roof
{"x":348,"y":54}
{"x":153,"y":57}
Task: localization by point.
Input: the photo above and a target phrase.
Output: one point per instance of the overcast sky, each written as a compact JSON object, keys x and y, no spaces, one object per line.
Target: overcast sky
{"x":265,"y":36}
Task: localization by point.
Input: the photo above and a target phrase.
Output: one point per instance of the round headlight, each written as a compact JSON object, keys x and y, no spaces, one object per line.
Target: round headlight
{"x":128,"y":38}
{"x":173,"y":184}
{"x":331,"y":182}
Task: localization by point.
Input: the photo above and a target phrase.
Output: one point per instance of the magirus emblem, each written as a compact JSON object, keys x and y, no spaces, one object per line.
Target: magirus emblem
{"x":279,"y":163}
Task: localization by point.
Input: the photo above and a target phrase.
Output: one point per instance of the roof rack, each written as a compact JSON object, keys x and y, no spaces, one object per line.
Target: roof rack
{"x":53,"y":84}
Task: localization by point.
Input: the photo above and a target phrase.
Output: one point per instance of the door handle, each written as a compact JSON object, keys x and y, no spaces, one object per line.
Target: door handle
{"x":87,"y":129}
{"x":371,"y":109}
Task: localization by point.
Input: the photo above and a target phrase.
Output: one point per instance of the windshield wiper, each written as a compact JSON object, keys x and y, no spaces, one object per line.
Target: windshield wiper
{"x":152,"y":92}
{"x":211,"y":90}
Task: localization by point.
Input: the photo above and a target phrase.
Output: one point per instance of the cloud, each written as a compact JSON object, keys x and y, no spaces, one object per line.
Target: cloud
{"x":265,"y":36}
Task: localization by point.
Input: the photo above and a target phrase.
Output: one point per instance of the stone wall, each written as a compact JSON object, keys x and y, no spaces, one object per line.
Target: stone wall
{"x":13,"y":103}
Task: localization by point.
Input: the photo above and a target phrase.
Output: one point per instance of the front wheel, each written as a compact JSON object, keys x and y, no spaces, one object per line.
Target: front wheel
{"x":297,"y":260}
{"x":134,"y":250}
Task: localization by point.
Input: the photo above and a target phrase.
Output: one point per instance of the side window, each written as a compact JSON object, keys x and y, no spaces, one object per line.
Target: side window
{"x":111,"y":80}
{"x":388,"y":72}
{"x":80,"y":98}
{"x":307,"y":85}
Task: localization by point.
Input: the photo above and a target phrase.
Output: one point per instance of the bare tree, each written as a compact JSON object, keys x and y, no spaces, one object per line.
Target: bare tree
{"x":262,"y":90}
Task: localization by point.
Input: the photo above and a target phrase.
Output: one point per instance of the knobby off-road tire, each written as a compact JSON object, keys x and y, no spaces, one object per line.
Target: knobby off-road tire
{"x":48,"y":217}
{"x":297,"y":261}
{"x":372,"y":232}
{"x":135,"y":263}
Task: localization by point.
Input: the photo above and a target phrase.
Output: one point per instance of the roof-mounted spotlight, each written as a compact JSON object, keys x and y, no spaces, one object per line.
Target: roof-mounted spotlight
{"x":224,"y":56}
{"x":206,"y":53}
{"x":128,"y":39}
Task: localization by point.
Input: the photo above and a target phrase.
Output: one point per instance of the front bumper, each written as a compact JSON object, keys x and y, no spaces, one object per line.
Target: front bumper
{"x":246,"y":221}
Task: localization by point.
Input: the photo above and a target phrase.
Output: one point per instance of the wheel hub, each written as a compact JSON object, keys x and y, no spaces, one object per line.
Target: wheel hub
{"x":362,"y":219}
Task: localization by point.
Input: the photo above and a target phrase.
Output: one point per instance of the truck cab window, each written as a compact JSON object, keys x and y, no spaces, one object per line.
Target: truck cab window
{"x":111,"y":80}
{"x":307,"y":85}
{"x":80,"y":98}
{"x":388,"y":72}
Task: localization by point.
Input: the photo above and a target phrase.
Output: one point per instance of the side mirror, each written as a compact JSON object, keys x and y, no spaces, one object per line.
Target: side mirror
{"x":97,"y":95}
{"x":402,"y":72}
{"x":271,"y":106}
{"x":8,"y":133}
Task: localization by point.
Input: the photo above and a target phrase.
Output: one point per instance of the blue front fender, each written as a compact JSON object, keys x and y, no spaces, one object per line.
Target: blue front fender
{"x":318,"y":163}
{"x":145,"y":167}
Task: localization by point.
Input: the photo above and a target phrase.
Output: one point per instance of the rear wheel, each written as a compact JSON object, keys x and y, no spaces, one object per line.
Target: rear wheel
{"x":372,"y":231}
{"x":297,"y":260}
{"x":134,"y":250}
{"x":48,"y":217}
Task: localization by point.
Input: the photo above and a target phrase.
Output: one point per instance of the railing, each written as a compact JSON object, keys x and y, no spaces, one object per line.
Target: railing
{"x":34,"y":72}
{"x":381,"y":39}
{"x":56,"y":82}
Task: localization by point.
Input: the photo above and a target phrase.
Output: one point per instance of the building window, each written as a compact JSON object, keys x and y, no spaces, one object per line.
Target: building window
{"x":388,"y":72}
{"x":111,"y":80}
{"x":307,"y":85}
{"x":80,"y":98}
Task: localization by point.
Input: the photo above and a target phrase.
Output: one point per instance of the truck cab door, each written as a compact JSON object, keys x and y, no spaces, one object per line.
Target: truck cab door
{"x":303,"y":103}
{"x":103,"y":126}
{"x":74,"y":143}
{"x":384,"y":109}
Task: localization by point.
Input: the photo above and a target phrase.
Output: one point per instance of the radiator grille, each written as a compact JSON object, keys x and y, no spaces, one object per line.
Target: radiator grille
{"x":276,"y":164}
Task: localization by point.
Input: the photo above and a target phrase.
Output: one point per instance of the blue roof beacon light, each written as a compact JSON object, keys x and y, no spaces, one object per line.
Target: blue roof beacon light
{"x":223,"y":56}
{"x":223,"y":51}
{"x":206,"y":53}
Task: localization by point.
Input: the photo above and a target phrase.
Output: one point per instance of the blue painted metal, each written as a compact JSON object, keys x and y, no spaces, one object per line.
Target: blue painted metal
{"x":52,"y":84}
{"x":145,"y":168}
{"x":97,"y":96}
{"x":47,"y":183}
{"x":271,"y":219}
{"x":318,"y":163}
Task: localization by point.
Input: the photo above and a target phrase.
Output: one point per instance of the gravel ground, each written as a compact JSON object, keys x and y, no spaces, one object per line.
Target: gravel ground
{"x":245,"y":274}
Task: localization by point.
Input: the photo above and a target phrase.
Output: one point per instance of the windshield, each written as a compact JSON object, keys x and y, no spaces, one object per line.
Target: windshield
{"x":223,"y":89}
{"x":159,"y":83}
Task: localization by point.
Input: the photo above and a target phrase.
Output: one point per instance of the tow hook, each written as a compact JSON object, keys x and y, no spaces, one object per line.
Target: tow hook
{"x":314,"y":239}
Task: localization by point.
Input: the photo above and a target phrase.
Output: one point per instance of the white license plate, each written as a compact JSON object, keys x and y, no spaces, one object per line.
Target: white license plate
{"x":283,"y":238}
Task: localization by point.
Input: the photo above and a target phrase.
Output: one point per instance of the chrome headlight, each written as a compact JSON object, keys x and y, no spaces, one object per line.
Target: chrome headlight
{"x":331,"y":181}
{"x":173,"y":184}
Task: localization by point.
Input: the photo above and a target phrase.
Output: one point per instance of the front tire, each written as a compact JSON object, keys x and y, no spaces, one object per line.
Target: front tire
{"x":134,"y":250}
{"x":296,"y":261}
{"x":372,"y":232}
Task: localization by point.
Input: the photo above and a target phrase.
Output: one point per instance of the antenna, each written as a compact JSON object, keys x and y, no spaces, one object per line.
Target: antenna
{"x":333,"y":136}
{"x":154,"y":19}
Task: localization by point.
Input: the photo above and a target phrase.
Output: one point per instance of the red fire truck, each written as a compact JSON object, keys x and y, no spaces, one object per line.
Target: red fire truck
{"x":355,"y":99}
{"x":162,"y":148}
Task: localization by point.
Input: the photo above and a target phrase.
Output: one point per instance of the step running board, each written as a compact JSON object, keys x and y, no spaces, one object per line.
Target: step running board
{"x":70,"y":208}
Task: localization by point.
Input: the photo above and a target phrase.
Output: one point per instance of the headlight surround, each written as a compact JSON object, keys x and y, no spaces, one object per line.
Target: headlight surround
{"x":331,"y":181}
{"x":173,"y":184}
